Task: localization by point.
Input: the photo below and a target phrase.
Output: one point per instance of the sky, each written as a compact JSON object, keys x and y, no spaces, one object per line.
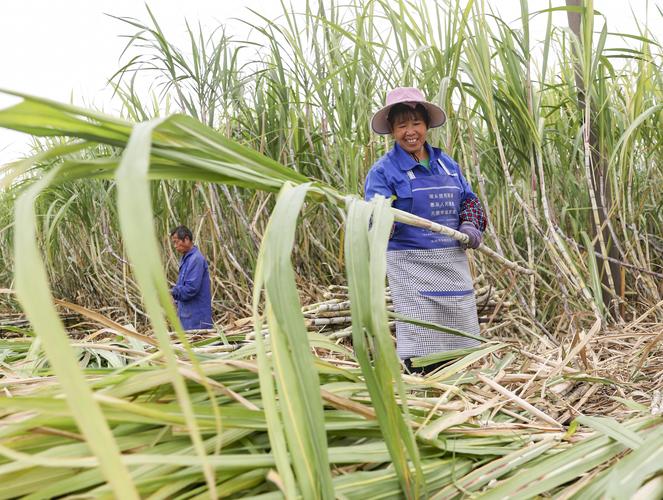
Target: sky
{"x":67,"y":49}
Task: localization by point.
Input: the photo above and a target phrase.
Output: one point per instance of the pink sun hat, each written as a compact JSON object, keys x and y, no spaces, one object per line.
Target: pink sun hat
{"x":411,"y":96}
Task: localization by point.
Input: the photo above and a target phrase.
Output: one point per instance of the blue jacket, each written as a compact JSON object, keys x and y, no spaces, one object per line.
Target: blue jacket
{"x":388,"y":176}
{"x":394,"y":175}
{"x":192,"y":292}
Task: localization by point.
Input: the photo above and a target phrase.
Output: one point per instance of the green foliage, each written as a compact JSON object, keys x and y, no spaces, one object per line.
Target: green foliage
{"x":98,"y":205}
{"x":305,"y":98}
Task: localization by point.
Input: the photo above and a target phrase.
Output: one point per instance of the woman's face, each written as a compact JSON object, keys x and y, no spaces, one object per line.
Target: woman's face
{"x":409,"y":132}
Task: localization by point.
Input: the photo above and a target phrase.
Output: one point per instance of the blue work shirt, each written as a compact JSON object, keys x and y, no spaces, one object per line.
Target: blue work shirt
{"x":393,"y":176}
{"x":192,"y":292}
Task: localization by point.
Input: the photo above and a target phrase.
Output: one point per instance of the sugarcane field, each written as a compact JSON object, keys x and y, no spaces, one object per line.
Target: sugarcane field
{"x":331,"y":250}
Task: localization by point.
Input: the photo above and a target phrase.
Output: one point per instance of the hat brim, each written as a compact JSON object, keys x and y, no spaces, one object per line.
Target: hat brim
{"x":380,"y":124}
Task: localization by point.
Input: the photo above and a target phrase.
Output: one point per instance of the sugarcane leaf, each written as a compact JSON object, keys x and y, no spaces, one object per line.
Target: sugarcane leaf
{"x":627,"y":475}
{"x":442,"y":356}
{"x":370,"y":333}
{"x":135,"y":213}
{"x":435,"y":326}
{"x":495,"y":469}
{"x":613,"y":429}
{"x":35,"y":297}
{"x":296,"y":378}
{"x":553,"y":471}
{"x":629,"y":403}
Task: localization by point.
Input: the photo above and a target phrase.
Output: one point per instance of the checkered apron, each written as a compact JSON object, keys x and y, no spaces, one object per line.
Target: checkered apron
{"x":428,"y":273}
{"x":432,"y":285}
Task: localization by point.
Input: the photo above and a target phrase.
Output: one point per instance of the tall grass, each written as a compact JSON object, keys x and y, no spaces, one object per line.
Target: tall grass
{"x":304,"y":100}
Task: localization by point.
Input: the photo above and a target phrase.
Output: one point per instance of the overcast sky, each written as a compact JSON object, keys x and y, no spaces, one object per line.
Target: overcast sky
{"x":64,"y":49}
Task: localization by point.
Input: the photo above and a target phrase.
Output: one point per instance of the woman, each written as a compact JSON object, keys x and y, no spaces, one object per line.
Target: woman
{"x":428,"y":272}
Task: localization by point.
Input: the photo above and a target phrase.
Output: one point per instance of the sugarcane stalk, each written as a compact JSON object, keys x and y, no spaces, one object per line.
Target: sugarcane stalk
{"x":415,"y":220}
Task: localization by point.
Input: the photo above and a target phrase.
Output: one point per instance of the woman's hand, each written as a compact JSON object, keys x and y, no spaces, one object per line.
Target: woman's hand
{"x":472,"y":233}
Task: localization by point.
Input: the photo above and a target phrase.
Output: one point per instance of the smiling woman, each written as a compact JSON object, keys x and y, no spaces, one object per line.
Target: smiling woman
{"x":428,"y":273}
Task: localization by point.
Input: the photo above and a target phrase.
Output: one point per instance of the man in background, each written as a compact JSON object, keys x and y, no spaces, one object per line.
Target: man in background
{"x":192,"y":291}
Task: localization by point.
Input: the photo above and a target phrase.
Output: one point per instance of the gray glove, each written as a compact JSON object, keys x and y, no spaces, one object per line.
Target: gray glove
{"x":472,"y":233}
